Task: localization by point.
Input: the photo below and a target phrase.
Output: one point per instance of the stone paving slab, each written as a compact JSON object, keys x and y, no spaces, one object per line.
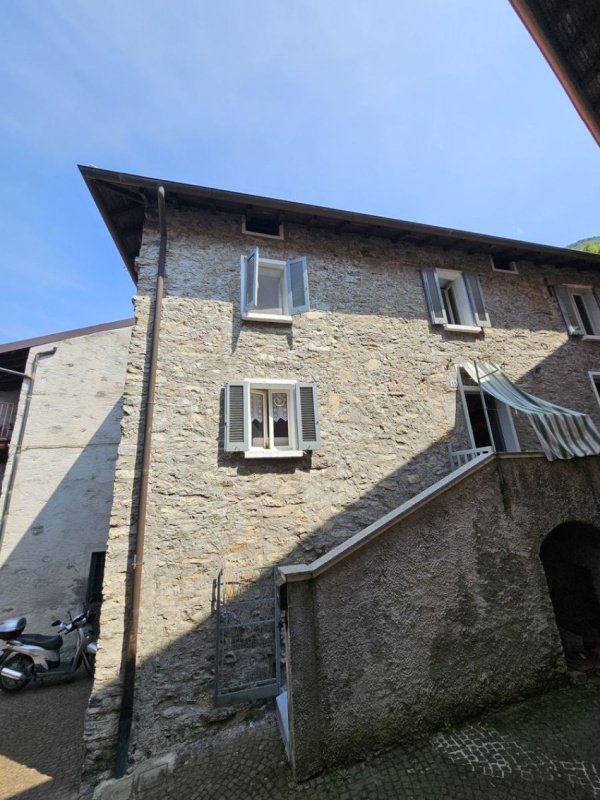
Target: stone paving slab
{"x":41,"y":748}
{"x":545,"y":748}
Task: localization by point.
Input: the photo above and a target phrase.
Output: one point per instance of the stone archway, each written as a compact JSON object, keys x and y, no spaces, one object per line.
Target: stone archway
{"x":570,"y":555}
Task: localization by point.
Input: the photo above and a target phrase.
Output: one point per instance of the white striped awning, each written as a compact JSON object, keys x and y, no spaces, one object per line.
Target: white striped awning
{"x":563,"y":433}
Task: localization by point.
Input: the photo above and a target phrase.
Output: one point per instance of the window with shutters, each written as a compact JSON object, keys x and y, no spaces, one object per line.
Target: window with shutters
{"x":271,"y":418}
{"x":273,"y":291}
{"x":595,"y":379}
{"x":580,"y":308}
{"x":455,"y":300}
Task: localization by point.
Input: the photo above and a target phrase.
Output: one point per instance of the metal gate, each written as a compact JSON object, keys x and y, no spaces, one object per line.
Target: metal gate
{"x":248,"y":658}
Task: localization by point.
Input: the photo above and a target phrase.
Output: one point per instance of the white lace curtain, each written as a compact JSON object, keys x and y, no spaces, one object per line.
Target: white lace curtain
{"x":280,"y":406}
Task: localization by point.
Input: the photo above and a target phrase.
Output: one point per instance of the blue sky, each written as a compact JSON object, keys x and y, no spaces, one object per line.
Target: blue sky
{"x":436,"y":112}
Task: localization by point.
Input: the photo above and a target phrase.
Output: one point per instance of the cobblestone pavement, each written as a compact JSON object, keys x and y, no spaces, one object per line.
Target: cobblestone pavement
{"x":41,"y":740}
{"x":546,"y":748}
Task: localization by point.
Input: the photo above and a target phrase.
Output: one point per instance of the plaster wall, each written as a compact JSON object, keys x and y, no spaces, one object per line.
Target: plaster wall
{"x":60,"y":505}
{"x":445,"y":613}
{"x":388,"y":407}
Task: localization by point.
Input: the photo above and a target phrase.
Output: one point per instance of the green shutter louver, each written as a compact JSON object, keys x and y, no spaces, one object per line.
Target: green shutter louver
{"x":250,"y":280}
{"x":476,"y":299}
{"x":433,"y":296}
{"x":236,"y":433}
{"x":307,"y":415}
{"x":297,"y":285}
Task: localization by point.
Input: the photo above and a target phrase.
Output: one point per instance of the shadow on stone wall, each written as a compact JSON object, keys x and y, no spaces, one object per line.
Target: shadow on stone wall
{"x":42,"y":558}
{"x":49,"y":586}
{"x":175,"y":684}
{"x":440,"y":616}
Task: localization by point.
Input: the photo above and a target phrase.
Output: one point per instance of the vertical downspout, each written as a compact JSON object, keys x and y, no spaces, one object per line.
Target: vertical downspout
{"x":127,"y":701}
{"x":19,"y":446}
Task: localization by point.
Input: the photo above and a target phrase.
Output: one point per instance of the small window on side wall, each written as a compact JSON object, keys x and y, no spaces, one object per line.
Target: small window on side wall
{"x":503,"y":265}
{"x":455,"y":300}
{"x":580,"y":307}
{"x":271,"y":419}
{"x":262,"y":223}
{"x":273,"y":291}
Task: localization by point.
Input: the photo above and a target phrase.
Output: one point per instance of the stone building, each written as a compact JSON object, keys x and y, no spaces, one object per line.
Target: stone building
{"x":294,"y":376}
{"x":59,"y":432}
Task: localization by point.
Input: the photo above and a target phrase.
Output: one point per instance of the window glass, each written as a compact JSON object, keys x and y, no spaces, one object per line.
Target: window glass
{"x":258,"y":412}
{"x":455,"y":298}
{"x":581,"y":307}
{"x":281,"y":435}
{"x":479,"y":425}
{"x":450,"y":304}
{"x":269,"y":291}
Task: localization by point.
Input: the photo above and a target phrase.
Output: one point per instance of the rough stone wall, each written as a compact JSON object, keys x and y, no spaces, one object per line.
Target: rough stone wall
{"x":62,"y":496}
{"x":388,"y":407}
{"x":449,"y":613}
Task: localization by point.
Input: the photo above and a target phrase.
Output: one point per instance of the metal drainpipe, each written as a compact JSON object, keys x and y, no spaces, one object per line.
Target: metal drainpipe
{"x":127,"y":700}
{"x":19,"y":446}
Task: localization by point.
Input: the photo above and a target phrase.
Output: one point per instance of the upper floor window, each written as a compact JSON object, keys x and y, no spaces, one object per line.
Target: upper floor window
{"x":273,"y":291}
{"x":454,"y":299}
{"x":262,"y":223}
{"x":502,"y":265}
{"x":271,"y":418}
{"x":595,"y":379}
{"x":581,"y":310}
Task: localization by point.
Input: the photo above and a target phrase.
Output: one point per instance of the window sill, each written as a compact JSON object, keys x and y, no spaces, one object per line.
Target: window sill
{"x":257,"y":317}
{"x":588,"y":337}
{"x":462,"y":328}
{"x":273,"y":454}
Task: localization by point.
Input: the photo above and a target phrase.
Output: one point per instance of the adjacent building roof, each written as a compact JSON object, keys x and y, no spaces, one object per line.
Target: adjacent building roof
{"x":568,"y":34}
{"x":23,"y":344}
{"x":123,"y":199}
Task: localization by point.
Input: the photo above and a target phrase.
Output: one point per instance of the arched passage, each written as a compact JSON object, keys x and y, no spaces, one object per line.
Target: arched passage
{"x":571,"y":558}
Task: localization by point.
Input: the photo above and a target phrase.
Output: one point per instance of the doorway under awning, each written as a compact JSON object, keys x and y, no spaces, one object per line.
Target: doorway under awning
{"x":562,"y":432}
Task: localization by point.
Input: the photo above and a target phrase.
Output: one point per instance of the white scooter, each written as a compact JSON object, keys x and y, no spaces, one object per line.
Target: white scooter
{"x":34,"y":657}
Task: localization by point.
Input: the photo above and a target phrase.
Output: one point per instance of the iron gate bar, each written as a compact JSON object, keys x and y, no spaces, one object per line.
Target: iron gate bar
{"x":230,"y":639}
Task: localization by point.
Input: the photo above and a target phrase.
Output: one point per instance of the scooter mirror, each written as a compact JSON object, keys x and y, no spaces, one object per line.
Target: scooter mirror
{"x":55,"y":623}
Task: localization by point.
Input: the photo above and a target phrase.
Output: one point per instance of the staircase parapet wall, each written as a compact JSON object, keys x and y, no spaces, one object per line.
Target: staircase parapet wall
{"x":433,"y":613}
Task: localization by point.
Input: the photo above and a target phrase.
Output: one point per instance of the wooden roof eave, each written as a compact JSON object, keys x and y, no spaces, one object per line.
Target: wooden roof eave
{"x":187,"y":195}
{"x":559,"y":63}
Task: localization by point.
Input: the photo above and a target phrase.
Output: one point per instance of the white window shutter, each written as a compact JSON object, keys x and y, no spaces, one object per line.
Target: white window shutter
{"x":297,"y":285}
{"x":250,"y":280}
{"x":433,"y":296}
{"x":565,"y":302}
{"x":476,"y":299}
{"x":307,"y":416}
{"x":237,"y":433}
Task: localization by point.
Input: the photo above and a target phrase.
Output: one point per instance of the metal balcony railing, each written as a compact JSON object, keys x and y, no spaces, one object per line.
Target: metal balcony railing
{"x":460,"y":457}
{"x":8,"y":414}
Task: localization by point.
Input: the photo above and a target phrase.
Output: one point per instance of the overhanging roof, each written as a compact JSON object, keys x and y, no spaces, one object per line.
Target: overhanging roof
{"x":568,"y":34}
{"x":122,"y":200}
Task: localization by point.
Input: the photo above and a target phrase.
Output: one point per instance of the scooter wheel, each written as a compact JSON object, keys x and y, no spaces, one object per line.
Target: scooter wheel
{"x":20,"y":663}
